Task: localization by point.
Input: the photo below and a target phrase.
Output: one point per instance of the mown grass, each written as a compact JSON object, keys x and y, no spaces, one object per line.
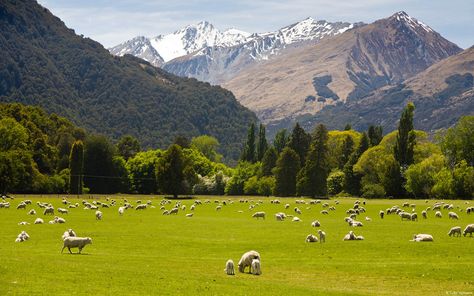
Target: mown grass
{"x":146,"y":253}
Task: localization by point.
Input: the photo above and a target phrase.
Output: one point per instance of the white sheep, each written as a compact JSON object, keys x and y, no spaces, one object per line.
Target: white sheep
{"x":174,"y":211}
{"x":59,"y":220}
{"x":438,"y":214}
{"x":32,"y":212}
{"x":23,"y":236}
{"x":368,"y":219}
{"x":259,"y":215}
{"x":68,"y":233}
{"x":453,"y":215}
{"x":405,"y":215}
{"x":141,"y":207}
{"x":468,"y":230}
{"x":255,"y":267}
{"x":48,"y":211}
{"x":316,"y":223}
{"x":229,"y":267}
{"x":356,"y":223}
{"x":423,"y":214}
{"x":311,"y":238}
{"x":98,"y":215}
{"x":324,"y":212}
{"x":246,"y":260}
{"x":287,"y":206}
{"x":322,"y":236}
{"x":279,"y":217}
{"x":218,"y":208}
{"x":414,"y":217}
{"x":381,"y":214}
{"x":76,"y":242}
{"x":21,"y":205}
{"x":455,"y":231}
{"x":359,"y":237}
{"x":189,"y":215}
{"x":297,"y":210}
{"x":349,"y":236}
{"x":23,"y":223}
{"x":63,"y":211}
{"x":39,"y":221}
{"x":192,"y":207}
{"x":422,"y":238}
{"x":121,"y":210}
{"x":296,"y":219}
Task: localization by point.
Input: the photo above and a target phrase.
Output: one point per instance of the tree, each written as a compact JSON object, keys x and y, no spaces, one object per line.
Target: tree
{"x":299,"y":142}
{"x":311,"y":179}
{"x":141,"y":169}
{"x":269,"y":161}
{"x":243,"y":172}
{"x":170,"y":172}
{"x":249,"y":148}
{"x":335,"y":182}
{"x":286,"y":169}
{"x":182,"y":141}
{"x":98,"y":164}
{"x":208,"y":146}
{"x":281,"y":140}
{"x":347,"y":149}
{"x":403,"y":150}
{"x":348,"y":127}
{"x":458,"y":142}
{"x":76,"y":166}
{"x":463,"y":180}
{"x":128,"y":147}
{"x":351,"y":178}
{"x":421,"y":176}
{"x":375,"y":134}
{"x":262,"y":144}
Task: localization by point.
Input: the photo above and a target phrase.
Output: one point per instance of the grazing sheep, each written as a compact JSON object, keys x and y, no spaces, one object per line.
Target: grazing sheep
{"x":381,"y":214}
{"x":98,"y":215}
{"x":39,"y":221}
{"x":48,"y":211}
{"x":259,"y":215}
{"x":23,"y":223}
{"x":296,"y":219}
{"x":59,"y":220}
{"x":322,"y":236}
{"x":423,"y":214}
{"x":469,"y":229}
{"x":141,"y":207}
{"x":287,"y":206}
{"x":405,"y":215}
{"x":166,"y":213}
{"x":438,"y":214}
{"x":174,"y":211}
{"x":104,"y":205}
{"x":324,"y":212}
{"x":76,"y":242}
{"x":246,"y":260}
{"x":23,"y":236}
{"x":255,"y":267}
{"x":414,"y":217}
{"x":189,"y":215}
{"x":218,"y":208}
{"x":192,"y":207}
{"x":311,"y":239}
{"x":356,"y":223}
{"x":455,"y":231}
{"x":121,"y":210}
{"x":279,"y":217}
{"x":63,"y":211}
{"x":368,"y":219}
{"x":21,"y":205}
{"x":349,"y":236}
{"x":32,"y":212}
{"x":297,"y":210}
{"x":229,"y":267}
{"x":315,"y":223}
{"x":422,"y":238}
{"x":359,"y":237}
{"x":453,"y":215}
{"x":68,"y":233}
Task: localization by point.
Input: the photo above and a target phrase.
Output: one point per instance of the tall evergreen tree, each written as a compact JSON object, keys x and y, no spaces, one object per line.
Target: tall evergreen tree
{"x":347,"y":149}
{"x":352,"y":179}
{"x":286,"y":169}
{"x":299,"y":142}
{"x":403,"y":149}
{"x":170,"y":172}
{"x":128,"y":147}
{"x":311,"y":180}
{"x":98,"y":165}
{"x":269,"y":161}
{"x":76,"y":165}
{"x":375,"y":134}
{"x":262,"y":144}
{"x":249,"y":148}
{"x":281,"y":140}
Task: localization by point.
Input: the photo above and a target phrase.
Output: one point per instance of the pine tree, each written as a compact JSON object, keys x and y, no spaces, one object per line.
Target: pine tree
{"x":375,"y":134}
{"x":249,"y":148}
{"x":299,"y":142}
{"x":281,"y":140}
{"x":76,"y":165}
{"x":347,"y":149}
{"x":403,"y":149}
{"x":269,"y":161}
{"x":262,"y":144}
{"x":352,"y":179}
{"x":311,"y":179}
{"x":170,"y":173}
{"x":286,"y":169}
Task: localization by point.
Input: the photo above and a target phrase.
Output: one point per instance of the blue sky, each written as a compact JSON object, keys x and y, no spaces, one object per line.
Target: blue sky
{"x":113,"y":21}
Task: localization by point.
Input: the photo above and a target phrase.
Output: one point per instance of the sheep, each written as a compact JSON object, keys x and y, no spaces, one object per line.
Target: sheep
{"x":229,"y":267}
{"x":23,"y":236}
{"x":349,"y":236}
{"x":121,"y":210}
{"x":423,"y":214}
{"x":287,"y":206}
{"x":39,"y":221}
{"x":414,"y":217}
{"x":218,"y":208}
{"x":422,"y":238}
{"x":438,"y":214}
{"x":48,"y":211}
{"x":246,"y":260}
{"x":189,"y":215}
{"x":359,"y":237}
{"x":405,"y":215}
{"x":21,"y":205}
{"x":356,"y":224}
{"x":368,"y":219}
{"x":381,"y":214}
{"x":259,"y":215}
{"x":174,"y":211}
{"x":165,"y":212}
{"x":192,"y":207}
{"x":183,"y":208}
{"x":296,"y":219}
{"x":324,"y":212}
{"x":68,"y":233}
{"x":279,"y":217}
{"x":98,"y":215}
{"x":141,"y":207}
{"x":322,"y":236}
{"x":455,"y":231}
{"x":353,"y":216}
{"x":453,"y":215}
{"x":59,"y":220}
{"x":311,"y":239}
{"x":255,"y":267}
{"x":104,"y":205}
{"x":469,"y":229}
{"x":23,"y":223}
{"x":76,"y":242}
{"x":63,"y":211}
{"x":315,"y":223}
{"x":32,"y":212}
{"x":297,"y":210}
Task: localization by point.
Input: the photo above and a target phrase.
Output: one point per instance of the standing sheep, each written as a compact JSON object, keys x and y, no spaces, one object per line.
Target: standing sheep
{"x":32,"y":212}
{"x":141,"y":207}
{"x":259,"y":215}
{"x":322,"y":236}
{"x":455,"y":231}
{"x":469,"y":229}
{"x":121,"y":210}
{"x":68,"y":233}
{"x":246,"y":260}
{"x":381,"y":214}
{"x":63,"y":211}
{"x":453,"y":215}
{"x":423,"y":214}
{"x":76,"y":242}
{"x":23,"y":236}
{"x":48,"y":211}
{"x":255,"y":267}
{"x":438,"y":214}
{"x":229,"y":267}
{"x":316,"y":223}
{"x":98,"y":215}
{"x":39,"y":221}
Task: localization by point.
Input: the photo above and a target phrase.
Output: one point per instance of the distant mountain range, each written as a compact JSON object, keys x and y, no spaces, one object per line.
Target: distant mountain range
{"x":44,"y":63}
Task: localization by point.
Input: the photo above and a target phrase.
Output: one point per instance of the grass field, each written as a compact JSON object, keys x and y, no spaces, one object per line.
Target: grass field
{"x":146,"y":253}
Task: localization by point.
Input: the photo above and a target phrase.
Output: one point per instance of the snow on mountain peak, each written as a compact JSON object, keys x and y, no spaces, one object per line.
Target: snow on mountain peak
{"x":413,"y":23}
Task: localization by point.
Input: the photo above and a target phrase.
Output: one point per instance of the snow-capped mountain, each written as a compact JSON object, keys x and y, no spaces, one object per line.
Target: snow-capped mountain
{"x":206,"y":53}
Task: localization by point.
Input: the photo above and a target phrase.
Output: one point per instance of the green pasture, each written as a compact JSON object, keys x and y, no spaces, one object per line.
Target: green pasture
{"x":147,"y":253}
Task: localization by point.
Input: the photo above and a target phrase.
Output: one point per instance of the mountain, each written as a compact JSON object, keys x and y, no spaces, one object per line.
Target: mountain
{"x":301,"y":81}
{"x":442,"y":94}
{"x":44,"y":63}
{"x":205,"y":53}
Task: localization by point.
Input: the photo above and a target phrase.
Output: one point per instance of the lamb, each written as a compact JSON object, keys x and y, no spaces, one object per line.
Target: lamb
{"x":32,"y":212}
{"x":349,"y":236}
{"x":455,"y":231}
{"x":68,"y":233}
{"x":438,"y":214}
{"x":255,"y":267}
{"x":453,"y":215}
{"x":141,"y":207}
{"x":229,"y":267}
{"x":259,"y":215}
{"x":381,"y":213}
{"x":322,"y":236}
{"x":39,"y":221}
{"x":76,"y":242}
{"x":98,"y":215}
{"x":48,"y":211}
{"x":246,"y":260}
{"x":422,"y":238}
{"x":423,"y":214}
{"x":315,"y":223}
{"x":192,"y":207}
{"x":23,"y":236}
{"x":469,"y":229}
{"x":63,"y":211}
{"x":311,"y":238}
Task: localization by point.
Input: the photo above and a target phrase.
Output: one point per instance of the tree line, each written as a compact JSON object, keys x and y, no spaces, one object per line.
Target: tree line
{"x":41,"y":153}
